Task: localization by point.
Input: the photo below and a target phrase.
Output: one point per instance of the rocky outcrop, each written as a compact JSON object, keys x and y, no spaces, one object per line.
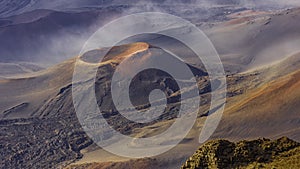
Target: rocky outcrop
{"x":261,"y":153}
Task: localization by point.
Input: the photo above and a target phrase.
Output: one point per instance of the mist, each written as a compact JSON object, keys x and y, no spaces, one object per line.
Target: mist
{"x":59,"y":35}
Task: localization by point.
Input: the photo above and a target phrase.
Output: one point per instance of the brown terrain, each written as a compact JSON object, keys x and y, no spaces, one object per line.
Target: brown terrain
{"x":39,"y":125}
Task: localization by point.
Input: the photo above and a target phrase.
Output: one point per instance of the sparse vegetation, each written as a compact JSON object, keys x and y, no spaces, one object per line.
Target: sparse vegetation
{"x":261,"y":153}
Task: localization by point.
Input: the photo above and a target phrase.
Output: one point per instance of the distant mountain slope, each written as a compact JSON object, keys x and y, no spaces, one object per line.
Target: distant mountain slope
{"x":8,"y":70}
{"x":50,"y":32}
{"x":261,"y":153}
{"x":11,"y":7}
{"x":47,"y":36}
{"x":14,"y":7}
{"x":246,"y":43}
{"x":249,"y":43}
